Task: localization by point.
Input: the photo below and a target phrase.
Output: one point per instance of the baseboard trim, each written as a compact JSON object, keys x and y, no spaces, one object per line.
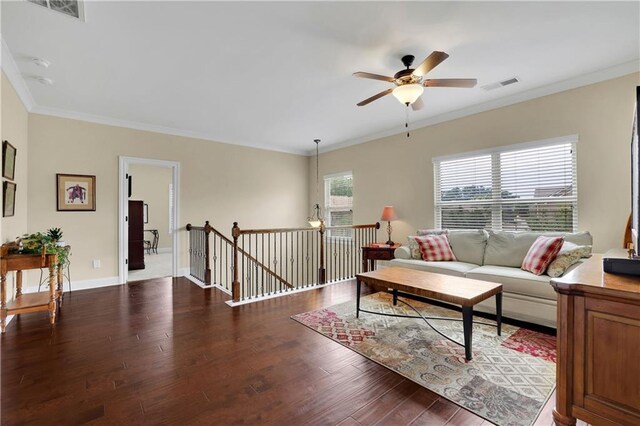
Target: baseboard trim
{"x":285,"y":293}
{"x":82,"y":284}
{"x":203,"y":285}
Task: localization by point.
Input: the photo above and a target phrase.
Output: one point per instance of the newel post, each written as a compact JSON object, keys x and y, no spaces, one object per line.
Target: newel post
{"x":207,"y":266}
{"x":322,"y":272}
{"x":235,"y":286}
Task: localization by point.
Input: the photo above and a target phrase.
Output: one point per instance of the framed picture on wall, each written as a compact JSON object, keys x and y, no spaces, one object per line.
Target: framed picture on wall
{"x":145,"y":213}
{"x":75,"y":192}
{"x":9,"y":160}
{"x":8,"y":199}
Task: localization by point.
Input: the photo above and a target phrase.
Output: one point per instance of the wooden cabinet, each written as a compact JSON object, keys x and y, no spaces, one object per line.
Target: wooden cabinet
{"x":136,"y":235}
{"x":371,"y":253}
{"x":31,"y":302}
{"x":598,"y":347}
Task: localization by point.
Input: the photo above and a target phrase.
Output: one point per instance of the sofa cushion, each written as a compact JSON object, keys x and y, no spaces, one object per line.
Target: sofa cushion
{"x":469,"y":246}
{"x":515,"y":280}
{"x":435,"y":248}
{"x":402,"y":252}
{"x":510,"y":248}
{"x":454,"y":268}
{"x":566,"y":258}
{"x":414,"y":247}
{"x":542,"y":252}
{"x":423,"y":232}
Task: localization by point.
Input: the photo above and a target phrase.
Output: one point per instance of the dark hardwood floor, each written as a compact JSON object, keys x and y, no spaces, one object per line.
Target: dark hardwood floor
{"x":167,"y":352}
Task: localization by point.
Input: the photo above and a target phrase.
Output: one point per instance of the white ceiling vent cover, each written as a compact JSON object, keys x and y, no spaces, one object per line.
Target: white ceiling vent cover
{"x":73,"y":8}
{"x":502,"y":83}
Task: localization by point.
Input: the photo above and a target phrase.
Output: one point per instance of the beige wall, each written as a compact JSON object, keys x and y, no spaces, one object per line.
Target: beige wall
{"x":219,"y":182}
{"x":151,"y":185}
{"x":13,"y":128}
{"x":398,"y":171}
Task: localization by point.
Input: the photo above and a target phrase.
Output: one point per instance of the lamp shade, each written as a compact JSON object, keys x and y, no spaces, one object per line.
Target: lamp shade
{"x":408,"y":93}
{"x":388,"y":214}
{"x":315,"y":223}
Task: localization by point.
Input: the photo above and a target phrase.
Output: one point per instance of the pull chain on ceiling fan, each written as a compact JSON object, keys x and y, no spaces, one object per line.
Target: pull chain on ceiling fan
{"x":410,"y":84}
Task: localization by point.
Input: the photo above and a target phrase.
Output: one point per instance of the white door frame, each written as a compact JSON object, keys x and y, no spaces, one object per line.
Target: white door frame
{"x":123,"y":211}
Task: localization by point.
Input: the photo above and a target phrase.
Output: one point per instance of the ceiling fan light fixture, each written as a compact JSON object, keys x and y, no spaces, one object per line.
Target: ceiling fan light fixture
{"x":408,"y":93}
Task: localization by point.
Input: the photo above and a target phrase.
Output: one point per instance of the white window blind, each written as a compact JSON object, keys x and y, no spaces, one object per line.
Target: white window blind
{"x":338,"y":190}
{"x":532,"y":187}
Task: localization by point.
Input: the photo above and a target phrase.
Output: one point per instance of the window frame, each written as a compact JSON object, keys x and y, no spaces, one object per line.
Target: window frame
{"x":496,"y":201}
{"x":327,"y":199}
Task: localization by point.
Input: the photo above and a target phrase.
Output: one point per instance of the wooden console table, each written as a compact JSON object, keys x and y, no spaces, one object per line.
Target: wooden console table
{"x":598,"y":369}
{"x":30,"y":302}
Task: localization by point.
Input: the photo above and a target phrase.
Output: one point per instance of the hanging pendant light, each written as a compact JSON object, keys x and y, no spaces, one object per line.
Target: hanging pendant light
{"x":316,"y":220}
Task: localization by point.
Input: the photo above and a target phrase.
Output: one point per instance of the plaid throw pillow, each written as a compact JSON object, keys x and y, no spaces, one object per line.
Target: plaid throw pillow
{"x":435,"y":248}
{"x":543,"y":251}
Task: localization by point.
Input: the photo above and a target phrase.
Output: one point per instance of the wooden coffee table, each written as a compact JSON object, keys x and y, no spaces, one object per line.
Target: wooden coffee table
{"x":424,"y":285}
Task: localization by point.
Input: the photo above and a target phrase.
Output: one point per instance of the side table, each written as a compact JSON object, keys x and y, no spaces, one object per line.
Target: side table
{"x":31,"y":302}
{"x":372,"y":253}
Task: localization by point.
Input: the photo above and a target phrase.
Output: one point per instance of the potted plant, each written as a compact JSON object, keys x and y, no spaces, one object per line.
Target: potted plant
{"x":56,"y":236}
{"x":33,"y":243}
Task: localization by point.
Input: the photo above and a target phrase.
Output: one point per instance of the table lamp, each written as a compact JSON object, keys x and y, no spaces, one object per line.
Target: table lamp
{"x":388,"y":214}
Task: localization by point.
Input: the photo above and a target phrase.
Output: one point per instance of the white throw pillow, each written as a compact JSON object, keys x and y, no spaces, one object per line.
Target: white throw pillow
{"x":414,"y":248}
{"x":567,"y":257}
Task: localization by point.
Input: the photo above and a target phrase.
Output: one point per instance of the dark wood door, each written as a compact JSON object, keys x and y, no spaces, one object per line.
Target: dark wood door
{"x":136,"y":235}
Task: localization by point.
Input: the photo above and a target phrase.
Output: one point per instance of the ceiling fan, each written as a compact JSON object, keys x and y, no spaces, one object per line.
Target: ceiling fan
{"x":409,"y":82}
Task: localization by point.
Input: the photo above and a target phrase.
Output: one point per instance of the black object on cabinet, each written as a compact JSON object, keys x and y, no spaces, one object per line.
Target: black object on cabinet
{"x":136,"y":235}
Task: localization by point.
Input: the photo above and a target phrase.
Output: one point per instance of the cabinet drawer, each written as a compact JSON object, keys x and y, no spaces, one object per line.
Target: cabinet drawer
{"x":379,"y":255}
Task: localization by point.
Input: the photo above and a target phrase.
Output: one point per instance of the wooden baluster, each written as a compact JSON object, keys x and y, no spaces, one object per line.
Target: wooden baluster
{"x":307,"y":281}
{"x":207,"y":270}
{"x":235,"y":287}
{"x":322,"y":278}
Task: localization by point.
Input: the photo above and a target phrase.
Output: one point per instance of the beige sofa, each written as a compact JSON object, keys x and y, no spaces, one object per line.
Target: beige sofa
{"x":497,"y":257}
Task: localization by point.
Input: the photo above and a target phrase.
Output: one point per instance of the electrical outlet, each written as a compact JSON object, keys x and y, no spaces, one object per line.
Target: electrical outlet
{"x":96,"y":263}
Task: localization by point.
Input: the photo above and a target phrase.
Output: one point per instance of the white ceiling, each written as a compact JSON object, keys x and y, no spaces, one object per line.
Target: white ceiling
{"x":278,"y":75}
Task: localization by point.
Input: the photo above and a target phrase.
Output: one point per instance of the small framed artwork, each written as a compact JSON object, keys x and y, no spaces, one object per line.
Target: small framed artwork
{"x":8,"y":199}
{"x":9,"y":160}
{"x":75,"y":192}
{"x":145,"y":213}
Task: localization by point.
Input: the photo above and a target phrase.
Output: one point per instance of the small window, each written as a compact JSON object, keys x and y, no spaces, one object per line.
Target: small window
{"x":527,"y":187}
{"x":338,"y":190}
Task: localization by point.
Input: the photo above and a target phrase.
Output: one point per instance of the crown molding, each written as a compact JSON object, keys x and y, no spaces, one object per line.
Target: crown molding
{"x":116,"y":122}
{"x":14,"y":76}
{"x":561,"y":86}
{"x":11,"y":70}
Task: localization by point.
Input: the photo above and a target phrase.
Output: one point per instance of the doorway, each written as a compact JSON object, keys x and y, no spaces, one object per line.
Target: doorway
{"x":148,"y":218}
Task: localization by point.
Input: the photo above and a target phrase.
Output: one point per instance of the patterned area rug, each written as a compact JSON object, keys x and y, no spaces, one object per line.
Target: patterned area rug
{"x":507,"y":382}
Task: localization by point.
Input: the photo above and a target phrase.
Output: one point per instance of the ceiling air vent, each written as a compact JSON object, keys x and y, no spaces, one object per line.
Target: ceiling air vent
{"x":73,"y":8}
{"x":500,"y":84}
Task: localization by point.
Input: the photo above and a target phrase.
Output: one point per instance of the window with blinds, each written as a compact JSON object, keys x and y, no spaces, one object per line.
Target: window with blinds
{"x":338,"y":190}
{"x":528,"y":187}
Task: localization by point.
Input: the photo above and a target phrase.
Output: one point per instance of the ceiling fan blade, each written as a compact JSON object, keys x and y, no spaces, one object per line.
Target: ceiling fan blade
{"x":430,"y":63}
{"x":451,"y":82}
{"x":374,"y":97}
{"x":418,"y":104}
{"x":373,"y":76}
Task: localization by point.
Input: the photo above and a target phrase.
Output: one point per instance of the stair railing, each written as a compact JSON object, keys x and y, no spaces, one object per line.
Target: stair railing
{"x":299,"y":257}
{"x":256,"y":263}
